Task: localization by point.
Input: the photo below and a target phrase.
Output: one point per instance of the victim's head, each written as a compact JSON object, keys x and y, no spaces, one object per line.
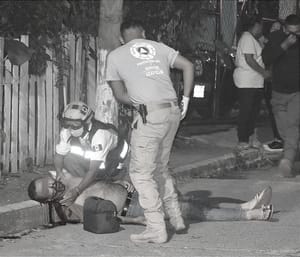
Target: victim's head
{"x":45,"y":189}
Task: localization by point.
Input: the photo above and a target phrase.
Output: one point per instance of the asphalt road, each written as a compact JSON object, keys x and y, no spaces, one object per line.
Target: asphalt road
{"x":279,"y":237}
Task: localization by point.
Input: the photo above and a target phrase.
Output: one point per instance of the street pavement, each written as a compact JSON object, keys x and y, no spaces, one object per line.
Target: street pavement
{"x":191,"y":156}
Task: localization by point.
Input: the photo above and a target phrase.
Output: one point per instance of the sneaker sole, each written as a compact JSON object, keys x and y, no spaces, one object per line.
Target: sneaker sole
{"x":271,"y":210}
{"x":266,"y":148}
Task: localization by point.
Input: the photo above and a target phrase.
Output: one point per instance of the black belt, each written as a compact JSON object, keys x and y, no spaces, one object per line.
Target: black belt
{"x":153,"y":107}
{"x":157,"y":106}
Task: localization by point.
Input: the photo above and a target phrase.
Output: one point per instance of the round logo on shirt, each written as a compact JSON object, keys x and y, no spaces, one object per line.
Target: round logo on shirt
{"x":97,"y":147}
{"x":143,"y":51}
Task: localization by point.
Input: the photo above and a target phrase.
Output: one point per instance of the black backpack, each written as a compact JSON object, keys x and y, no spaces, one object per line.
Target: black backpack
{"x":100,"y":216}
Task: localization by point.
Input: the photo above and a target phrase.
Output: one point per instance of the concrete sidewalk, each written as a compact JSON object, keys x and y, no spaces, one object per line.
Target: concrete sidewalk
{"x":213,"y":155}
{"x":209,"y":155}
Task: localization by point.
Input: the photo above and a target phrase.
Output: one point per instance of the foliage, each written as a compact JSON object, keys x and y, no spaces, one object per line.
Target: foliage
{"x":178,"y":23}
{"x":172,"y":22}
{"x":269,"y":10}
{"x":46,"y":21}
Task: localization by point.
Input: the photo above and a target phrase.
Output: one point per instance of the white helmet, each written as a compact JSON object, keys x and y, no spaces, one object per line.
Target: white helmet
{"x":77,"y":111}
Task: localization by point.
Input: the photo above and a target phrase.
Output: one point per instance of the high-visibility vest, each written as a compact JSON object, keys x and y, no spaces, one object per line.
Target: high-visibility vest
{"x":115,"y":157}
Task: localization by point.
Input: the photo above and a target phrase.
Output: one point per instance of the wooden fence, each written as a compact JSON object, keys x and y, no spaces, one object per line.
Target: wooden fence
{"x":29,"y":106}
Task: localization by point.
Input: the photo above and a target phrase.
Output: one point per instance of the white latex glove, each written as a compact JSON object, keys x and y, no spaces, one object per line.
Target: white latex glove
{"x":184,"y":106}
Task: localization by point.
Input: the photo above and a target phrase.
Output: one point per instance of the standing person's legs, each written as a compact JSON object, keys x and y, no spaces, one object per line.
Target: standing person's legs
{"x":293,"y":119}
{"x":163,"y":177}
{"x":257,"y":95}
{"x":287,"y":114}
{"x":268,"y":97}
{"x":279,"y":103}
{"x":145,"y":143}
{"x":244,"y":126}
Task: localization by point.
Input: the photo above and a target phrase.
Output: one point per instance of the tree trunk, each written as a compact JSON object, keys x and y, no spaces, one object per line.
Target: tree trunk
{"x":106,"y":108}
{"x":84,"y":69}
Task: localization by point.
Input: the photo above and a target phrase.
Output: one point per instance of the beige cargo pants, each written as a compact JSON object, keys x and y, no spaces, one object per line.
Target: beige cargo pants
{"x":151,"y":144}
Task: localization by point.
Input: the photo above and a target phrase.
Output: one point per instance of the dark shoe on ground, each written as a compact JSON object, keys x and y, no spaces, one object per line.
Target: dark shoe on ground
{"x":150,"y":236}
{"x":285,"y":168}
{"x":274,"y":146}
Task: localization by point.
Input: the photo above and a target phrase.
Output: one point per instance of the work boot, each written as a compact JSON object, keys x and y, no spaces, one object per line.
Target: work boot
{"x":178,"y":224}
{"x":150,"y":236}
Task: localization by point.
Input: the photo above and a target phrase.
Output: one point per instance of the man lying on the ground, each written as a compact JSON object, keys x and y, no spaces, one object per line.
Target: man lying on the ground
{"x":48,"y":189}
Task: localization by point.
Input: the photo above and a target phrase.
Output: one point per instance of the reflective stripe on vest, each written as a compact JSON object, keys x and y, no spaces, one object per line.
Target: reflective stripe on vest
{"x":124,"y":150}
{"x":79,"y":151}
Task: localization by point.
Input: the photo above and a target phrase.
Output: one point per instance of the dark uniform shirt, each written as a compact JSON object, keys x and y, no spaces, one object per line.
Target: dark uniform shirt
{"x":285,"y":63}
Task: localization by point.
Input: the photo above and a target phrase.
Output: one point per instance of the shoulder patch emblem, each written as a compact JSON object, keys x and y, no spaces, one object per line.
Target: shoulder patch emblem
{"x":97,"y":148}
{"x":143,"y":51}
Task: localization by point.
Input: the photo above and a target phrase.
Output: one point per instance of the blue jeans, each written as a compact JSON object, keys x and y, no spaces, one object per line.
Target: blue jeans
{"x":195,"y":210}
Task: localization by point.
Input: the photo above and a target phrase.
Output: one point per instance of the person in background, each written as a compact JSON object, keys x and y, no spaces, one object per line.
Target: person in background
{"x":276,"y":145}
{"x":282,"y":53}
{"x":249,"y":76}
{"x":87,"y":148}
{"x":139,"y":75}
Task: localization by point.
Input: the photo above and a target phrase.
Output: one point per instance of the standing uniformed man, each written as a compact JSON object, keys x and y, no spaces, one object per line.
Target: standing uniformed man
{"x":139,"y":74}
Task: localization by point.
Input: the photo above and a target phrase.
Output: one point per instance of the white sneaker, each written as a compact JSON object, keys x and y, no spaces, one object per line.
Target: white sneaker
{"x":150,"y":236}
{"x":262,"y":198}
{"x":274,"y":146}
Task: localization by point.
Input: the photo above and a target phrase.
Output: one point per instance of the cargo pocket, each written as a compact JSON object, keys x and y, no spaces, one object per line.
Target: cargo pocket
{"x":158,"y":116}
